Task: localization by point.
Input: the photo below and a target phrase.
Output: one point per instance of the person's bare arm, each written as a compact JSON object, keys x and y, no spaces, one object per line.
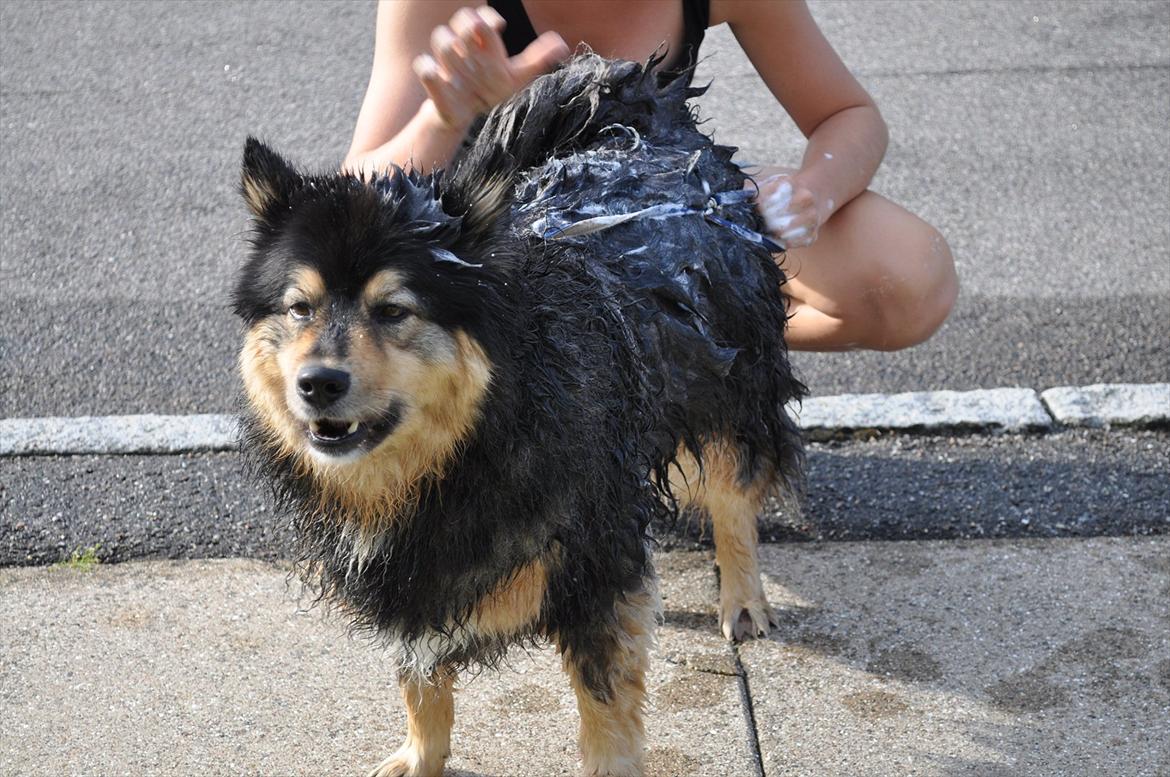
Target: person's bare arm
{"x":847,"y":137}
{"x":437,"y":65}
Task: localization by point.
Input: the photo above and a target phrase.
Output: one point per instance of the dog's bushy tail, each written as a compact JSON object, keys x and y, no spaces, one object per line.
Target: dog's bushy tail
{"x":560,"y":113}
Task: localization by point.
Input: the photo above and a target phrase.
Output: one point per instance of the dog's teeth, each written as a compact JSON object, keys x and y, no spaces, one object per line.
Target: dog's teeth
{"x":352,"y":428}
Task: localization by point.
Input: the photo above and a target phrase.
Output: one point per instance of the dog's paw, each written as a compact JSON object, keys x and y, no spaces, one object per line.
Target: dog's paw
{"x":406,"y":763}
{"x":750,"y":619}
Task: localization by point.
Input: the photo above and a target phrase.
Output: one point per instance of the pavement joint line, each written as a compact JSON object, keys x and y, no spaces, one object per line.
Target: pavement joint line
{"x":989,"y":411}
{"x":749,"y":712}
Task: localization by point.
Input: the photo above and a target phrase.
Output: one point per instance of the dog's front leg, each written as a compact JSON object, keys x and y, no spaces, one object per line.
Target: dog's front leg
{"x":607,"y":666}
{"x":430,"y":712}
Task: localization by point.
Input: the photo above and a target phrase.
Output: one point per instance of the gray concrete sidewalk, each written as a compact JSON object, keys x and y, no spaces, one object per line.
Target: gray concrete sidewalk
{"x":1023,"y":657}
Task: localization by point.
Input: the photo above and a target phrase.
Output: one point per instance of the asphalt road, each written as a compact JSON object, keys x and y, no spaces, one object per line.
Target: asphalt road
{"x":1071,"y":484}
{"x":1032,"y":133}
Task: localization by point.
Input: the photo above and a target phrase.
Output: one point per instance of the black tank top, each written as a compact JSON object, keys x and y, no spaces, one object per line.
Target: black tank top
{"x":696,"y":15}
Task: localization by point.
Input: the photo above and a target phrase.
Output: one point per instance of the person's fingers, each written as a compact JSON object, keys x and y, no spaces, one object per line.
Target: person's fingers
{"x":486,"y":62}
{"x":450,"y":53}
{"x":775,"y":204}
{"x":468,"y":71}
{"x":471,"y":29}
{"x":540,"y":57}
{"x":790,"y":211}
{"x":493,"y":44}
{"x":492,"y":17}
{"x":495,"y":82}
{"x":468,"y":29}
{"x":803,"y":200}
{"x":452,"y":108}
{"x":427,"y":72}
{"x":799,"y":227}
{"x":428,"y":75}
{"x":798,"y":236}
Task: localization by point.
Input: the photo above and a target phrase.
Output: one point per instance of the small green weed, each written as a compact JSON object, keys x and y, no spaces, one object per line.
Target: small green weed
{"x":82,"y":559}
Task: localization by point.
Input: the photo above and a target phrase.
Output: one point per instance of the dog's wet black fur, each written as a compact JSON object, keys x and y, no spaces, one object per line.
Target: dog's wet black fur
{"x":605,"y":358}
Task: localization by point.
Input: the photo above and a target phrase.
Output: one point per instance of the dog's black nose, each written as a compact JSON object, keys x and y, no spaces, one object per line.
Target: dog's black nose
{"x":322,"y":386}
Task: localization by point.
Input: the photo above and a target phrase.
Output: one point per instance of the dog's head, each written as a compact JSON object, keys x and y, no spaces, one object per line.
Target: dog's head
{"x":369,"y":308}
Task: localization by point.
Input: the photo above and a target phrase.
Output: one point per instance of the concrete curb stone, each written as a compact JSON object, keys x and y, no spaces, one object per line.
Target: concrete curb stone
{"x":1114,"y":404}
{"x":117,"y":434}
{"x":1000,"y":410}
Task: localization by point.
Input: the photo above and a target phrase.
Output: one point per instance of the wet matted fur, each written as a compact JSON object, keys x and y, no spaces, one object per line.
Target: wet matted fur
{"x":473,"y":426}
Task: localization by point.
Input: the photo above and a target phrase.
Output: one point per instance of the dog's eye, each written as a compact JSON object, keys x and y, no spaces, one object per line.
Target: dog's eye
{"x":389,"y":313}
{"x":301,"y":311}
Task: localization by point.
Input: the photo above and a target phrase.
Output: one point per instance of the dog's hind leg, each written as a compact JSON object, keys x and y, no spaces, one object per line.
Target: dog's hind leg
{"x":430,"y":713}
{"x":734,"y":499}
{"x":607,"y":669}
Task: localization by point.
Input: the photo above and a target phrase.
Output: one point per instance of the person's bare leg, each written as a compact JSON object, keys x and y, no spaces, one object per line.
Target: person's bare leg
{"x":878,"y":277}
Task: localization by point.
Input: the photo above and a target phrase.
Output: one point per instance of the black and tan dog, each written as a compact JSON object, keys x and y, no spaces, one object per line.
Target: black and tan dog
{"x":475,"y":391}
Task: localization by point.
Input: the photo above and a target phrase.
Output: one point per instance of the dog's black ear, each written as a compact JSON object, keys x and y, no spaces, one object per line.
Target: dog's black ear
{"x":266,"y":180}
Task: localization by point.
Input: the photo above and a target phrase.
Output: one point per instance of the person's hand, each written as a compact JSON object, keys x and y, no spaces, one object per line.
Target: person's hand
{"x":469,"y":71}
{"x":792,"y":214}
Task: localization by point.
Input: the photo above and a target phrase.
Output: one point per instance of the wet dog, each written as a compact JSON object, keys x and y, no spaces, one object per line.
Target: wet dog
{"x":475,"y":390}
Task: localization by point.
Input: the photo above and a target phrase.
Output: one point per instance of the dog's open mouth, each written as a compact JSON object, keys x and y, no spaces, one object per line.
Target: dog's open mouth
{"x":330,"y":432}
{"x":337,"y":436}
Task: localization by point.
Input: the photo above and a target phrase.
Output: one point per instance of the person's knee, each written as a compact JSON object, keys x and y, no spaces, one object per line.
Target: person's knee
{"x":916,"y":303}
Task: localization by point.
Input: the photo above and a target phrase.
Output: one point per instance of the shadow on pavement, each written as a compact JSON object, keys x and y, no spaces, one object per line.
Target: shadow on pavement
{"x":1022,"y":657}
{"x":1068,"y":484}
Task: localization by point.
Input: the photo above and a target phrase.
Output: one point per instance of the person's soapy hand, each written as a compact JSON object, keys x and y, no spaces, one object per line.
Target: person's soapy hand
{"x":792,"y":213}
